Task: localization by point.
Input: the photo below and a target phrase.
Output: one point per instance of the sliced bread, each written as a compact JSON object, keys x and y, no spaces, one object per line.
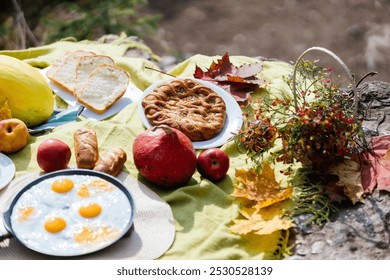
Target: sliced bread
{"x":59,"y":61}
{"x":65,"y":75}
{"x":87,"y":64}
{"x":105,"y":86}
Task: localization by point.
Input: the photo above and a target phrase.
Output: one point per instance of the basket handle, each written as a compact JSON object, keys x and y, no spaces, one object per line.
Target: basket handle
{"x":344,"y":66}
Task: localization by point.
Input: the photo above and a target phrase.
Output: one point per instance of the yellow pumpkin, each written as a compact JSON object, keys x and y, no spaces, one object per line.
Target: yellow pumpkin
{"x":27,"y":92}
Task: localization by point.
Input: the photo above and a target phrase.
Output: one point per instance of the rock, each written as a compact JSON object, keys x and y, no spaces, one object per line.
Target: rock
{"x":317,"y":247}
{"x":375,"y":106}
{"x":167,"y":62}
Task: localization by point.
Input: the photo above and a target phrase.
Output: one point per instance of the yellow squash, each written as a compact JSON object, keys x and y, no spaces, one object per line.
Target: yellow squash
{"x":27,"y":92}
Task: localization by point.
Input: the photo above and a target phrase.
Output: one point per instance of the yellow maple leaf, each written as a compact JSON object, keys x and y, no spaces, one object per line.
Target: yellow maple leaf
{"x":5,"y":112}
{"x":261,"y":221}
{"x":259,"y":189}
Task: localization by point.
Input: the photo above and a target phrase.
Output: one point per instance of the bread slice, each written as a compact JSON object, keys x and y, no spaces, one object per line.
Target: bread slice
{"x":65,"y":70}
{"x":59,"y":61}
{"x":87,"y":64}
{"x":105,"y":86}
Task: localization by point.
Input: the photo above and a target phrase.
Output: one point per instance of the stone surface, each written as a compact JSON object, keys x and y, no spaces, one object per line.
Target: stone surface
{"x":375,"y":106}
{"x":360,"y":231}
{"x":355,"y":232}
{"x":358,"y":31}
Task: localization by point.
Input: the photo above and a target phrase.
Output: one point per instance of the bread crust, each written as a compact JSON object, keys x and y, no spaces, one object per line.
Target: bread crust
{"x":112,"y":161}
{"x":86,"y":148}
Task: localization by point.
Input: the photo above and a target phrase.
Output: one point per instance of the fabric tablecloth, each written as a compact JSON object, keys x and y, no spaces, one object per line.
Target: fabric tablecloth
{"x":202,"y":210}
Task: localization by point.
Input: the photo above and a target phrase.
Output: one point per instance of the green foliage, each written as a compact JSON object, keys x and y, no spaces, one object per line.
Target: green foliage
{"x":90,"y":19}
{"x":310,"y":201}
{"x":284,"y":249}
{"x":52,"y":20}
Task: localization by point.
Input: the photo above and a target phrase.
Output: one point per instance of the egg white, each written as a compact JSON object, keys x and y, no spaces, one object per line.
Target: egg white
{"x":115,"y":214}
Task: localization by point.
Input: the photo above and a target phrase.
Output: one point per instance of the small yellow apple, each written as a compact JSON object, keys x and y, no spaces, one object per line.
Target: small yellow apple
{"x":14,"y":135}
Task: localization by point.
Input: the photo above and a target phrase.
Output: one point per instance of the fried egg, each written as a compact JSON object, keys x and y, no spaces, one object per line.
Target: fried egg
{"x":71,"y":215}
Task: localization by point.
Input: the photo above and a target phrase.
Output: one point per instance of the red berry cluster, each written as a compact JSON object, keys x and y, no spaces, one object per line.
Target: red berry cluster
{"x":318,"y":133}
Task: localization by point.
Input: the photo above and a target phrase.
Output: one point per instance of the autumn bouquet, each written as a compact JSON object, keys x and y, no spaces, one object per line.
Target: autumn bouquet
{"x":316,"y":126}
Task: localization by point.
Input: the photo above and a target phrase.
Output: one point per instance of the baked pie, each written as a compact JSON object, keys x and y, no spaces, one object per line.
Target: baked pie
{"x":187,"y":105}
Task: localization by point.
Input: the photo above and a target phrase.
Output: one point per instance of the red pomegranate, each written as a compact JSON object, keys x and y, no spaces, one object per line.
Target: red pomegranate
{"x":164,"y":156}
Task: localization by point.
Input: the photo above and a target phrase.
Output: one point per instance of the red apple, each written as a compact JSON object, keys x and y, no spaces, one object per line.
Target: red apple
{"x":53,"y":154}
{"x":213,"y":164}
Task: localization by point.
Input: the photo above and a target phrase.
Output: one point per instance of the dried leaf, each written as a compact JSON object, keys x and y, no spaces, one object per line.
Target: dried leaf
{"x":5,"y":112}
{"x":260,"y":190}
{"x":368,"y":173}
{"x":240,"y":82}
{"x":335,"y":192}
{"x":349,"y":176}
{"x":376,"y":165}
{"x":264,"y":221}
{"x":263,"y":201}
{"x":387,"y":155}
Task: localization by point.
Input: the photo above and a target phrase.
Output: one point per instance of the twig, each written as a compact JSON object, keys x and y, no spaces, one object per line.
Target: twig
{"x":23,"y":28}
{"x":343,"y":65}
{"x":369,"y":74}
{"x":162,"y":72}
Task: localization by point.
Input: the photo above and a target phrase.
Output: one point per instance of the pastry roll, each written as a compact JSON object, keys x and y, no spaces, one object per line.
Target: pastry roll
{"x":112,"y":161}
{"x":86,"y":148}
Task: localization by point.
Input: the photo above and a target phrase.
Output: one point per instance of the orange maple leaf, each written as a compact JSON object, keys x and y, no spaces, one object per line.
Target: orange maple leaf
{"x":259,"y":189}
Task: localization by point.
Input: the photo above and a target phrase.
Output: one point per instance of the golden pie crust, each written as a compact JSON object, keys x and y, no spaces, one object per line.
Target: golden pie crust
{"x":189,"y":106}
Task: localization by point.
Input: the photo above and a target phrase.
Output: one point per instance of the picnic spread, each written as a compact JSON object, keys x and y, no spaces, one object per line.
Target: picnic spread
{"x":242,"y":215}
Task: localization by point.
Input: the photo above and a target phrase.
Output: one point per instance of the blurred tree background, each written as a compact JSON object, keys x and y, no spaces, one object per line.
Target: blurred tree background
{"x":29,"y":23}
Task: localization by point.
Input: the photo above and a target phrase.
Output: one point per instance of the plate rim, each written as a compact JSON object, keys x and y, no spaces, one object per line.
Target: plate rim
{"x":232,"y":108}
{"x":9,"y":167}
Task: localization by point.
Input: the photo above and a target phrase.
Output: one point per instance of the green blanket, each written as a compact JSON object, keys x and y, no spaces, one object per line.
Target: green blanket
{"x":202,"y":210}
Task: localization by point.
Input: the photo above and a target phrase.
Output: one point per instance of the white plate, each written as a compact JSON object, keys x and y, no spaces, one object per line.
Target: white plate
{"x":233,"y":121}
{"x":131,"y":95}
{"x":7,"y":170}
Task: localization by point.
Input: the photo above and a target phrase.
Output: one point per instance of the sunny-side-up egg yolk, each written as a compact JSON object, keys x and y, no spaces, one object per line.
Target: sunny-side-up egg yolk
{"x":55,"y":224}
{"x":24,"y":213}
{"x":90,"y":210}
{"x":99,"y":185}
{"x":62,"y":185}
{"x":100,"y":234}
{"x":83,"y":191}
